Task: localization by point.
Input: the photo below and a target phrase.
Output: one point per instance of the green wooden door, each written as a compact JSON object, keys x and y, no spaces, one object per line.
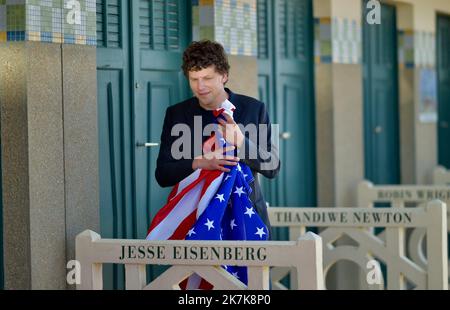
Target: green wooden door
{"x":286,"y":84}
{"x":138,"y":57}
{"x":285,"y":61}
{"x":266,"y":79}
{"x":161,"y":35}
{"x":443,"y":70}
{"x":114,"y":125}
{"x":293,"y":22}
{"x":381,"y":115}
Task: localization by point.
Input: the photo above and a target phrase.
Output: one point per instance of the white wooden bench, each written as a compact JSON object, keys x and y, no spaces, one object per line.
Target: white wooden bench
{"x":354,"y":223}
{"x":400,"y":196}
{"x":441,"y":176}
{"x":198,"y":257}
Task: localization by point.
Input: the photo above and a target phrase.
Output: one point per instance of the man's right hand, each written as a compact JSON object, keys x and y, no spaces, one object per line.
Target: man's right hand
{"x":216,"y":160}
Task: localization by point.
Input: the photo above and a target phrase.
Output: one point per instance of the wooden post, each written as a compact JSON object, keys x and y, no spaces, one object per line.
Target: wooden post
{"x":395,"y":243}
{"x":135,"y":277}
{"x":441,"y":176}
{"x":363,"y":195}
{"x":437,"y":244}
{"x":305,"y":255}
{"x":91,"y":273}
{"x":310,"y":263}
{"x":258,"y":278}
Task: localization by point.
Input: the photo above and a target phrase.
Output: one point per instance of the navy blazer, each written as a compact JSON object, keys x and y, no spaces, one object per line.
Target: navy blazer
{"x":170,"y":171}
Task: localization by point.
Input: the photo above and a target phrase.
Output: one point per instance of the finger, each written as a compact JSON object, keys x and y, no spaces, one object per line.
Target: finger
{"x":221,"y":129}
{"x":220,"y":151}
{"x":227,"y":163}
{"x":225,"y":150}
{"x":232,"y":158}
{"x":222,"y":121}
{"x":224,"y":129}
{"x":229,"y":148}
{"x":208,"y":145}
{"x":229,"y":119}
{"x":223,"y":169}
{"x":235,"y":138}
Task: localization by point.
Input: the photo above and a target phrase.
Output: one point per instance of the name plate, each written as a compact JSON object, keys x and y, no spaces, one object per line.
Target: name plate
{"x":348,"y":217}
{"x":386,"y":194}
{"x":199,"y":253}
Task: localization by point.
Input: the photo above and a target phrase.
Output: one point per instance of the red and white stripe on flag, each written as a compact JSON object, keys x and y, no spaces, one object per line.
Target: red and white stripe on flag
{"x":186,"y":203}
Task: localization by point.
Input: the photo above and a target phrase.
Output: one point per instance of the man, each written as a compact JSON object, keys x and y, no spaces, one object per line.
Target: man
{"x":206,"y":66}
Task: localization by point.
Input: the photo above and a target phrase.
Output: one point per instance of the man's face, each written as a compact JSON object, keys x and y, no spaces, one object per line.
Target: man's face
{"x":208,"y":86}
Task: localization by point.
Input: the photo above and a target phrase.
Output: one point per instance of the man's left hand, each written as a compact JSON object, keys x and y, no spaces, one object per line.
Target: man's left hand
{"x":231,"y":131}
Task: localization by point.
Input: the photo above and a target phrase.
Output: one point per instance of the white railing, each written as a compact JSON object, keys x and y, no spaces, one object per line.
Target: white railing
{"x":401,"y":196}
{"x":441,"y":176}
{"x":355,"y":223}
{"x":199,"y":257}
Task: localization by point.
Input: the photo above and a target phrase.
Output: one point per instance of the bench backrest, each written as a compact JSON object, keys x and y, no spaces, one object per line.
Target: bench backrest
{"x":441,"y":176}
{"x":203,"y":258}
{"x":355,"y":223}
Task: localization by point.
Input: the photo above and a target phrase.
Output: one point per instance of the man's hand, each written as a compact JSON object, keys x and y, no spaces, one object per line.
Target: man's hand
{"x":216,"y":160}
{"x":231,"y":131}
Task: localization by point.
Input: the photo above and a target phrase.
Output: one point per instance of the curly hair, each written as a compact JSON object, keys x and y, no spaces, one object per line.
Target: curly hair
{"x":202,"y":54}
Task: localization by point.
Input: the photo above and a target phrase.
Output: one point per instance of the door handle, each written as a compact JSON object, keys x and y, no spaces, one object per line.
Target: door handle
{"x":378,"y":130}
{"x":148,"y":144}
{"x":285,"y":135}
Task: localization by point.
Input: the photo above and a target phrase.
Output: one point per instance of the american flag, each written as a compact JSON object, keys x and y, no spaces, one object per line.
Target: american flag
{"x":211,"y":205}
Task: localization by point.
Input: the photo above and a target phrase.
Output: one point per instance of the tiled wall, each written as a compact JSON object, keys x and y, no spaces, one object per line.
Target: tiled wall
{"x":425,"y":63}
{"x":417,"y":51}
{"x":425,"y":49}
{"x":340,"y":41}
{"x":337,"y":40}
{"x":230,"y":22}
{"x":203,"y":19}
{"x":12,"y":20}
{"x":406,"y":48}
{"x":347,"y":40}
{"x":322,"y":40}
{"x":47,"y":21}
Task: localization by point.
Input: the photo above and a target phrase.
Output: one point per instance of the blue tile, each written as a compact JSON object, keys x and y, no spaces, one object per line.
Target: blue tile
{"x":15,"y":36}
{"x":326,"y":59}
{"x":46,"y":37}
{"x":246,"y":8}
{"x":69,"y":39}
{"x":91,"y":41}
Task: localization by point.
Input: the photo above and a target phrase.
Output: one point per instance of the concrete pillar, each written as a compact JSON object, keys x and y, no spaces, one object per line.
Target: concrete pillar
{"x":339,"y":113}
{"x":417,"y":19}
{"x":406,"y":74}
{"x":80,"y":142}
{"x":49,"y":143}
{"x":339,"y":101}
{"x":425,"y":139}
